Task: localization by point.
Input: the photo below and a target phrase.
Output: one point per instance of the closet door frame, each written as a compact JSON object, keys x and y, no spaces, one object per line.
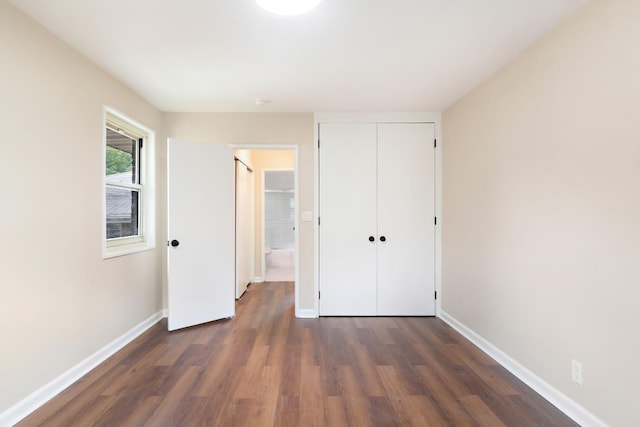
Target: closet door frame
{"x":422,"y":117}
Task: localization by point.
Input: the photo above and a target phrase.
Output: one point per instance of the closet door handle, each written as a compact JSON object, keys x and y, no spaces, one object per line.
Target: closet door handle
{"x":175,"y":243}
{"x":372,"y":239}
{"x":383,"y":239}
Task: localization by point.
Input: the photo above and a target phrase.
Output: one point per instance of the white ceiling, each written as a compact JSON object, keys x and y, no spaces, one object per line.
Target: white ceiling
{"x":347,"y":55}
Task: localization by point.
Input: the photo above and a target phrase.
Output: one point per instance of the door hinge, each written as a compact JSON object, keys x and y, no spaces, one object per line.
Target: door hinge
{"x":318,"y":294}
{"x":318,"y":143}
{"x":435,"y":220}
{"x":318,"y":221}
{"x":435,"y":143}
{"x":435,"y":295}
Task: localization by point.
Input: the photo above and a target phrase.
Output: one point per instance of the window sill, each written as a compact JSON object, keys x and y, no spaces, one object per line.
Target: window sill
{"x":120,"y":250}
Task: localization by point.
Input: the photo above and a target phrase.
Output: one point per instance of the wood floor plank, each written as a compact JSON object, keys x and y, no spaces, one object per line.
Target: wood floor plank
{"x":292,"y":371}
{"x":357,"y":402}
{"x":394,"y":383}
{"x":287,"y":411}
{"x":335,"y":413}
{"x":135,"y":418}
{"x":119,"y":414}
{"x":384,"y":413}
{"x":312,"y":389}
{"x":445,"y":398}
{"x":311,"y":343}
{"x":484,"y":372}
{"x":417,"y":411}
{"x":175,"y":345}
{"x":482,"y":414}
{"x":266,"y":368}
{"x":265,"y":400}
{"x":366,"y":368}
{"x":251,"y":373}
{"x":171,"y":411}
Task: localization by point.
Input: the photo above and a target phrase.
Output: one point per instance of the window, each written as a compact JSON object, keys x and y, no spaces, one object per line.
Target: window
{"x":126,"y":198}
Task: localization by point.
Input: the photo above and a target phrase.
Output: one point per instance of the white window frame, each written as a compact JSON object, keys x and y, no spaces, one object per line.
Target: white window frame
{"x":145,"y":239}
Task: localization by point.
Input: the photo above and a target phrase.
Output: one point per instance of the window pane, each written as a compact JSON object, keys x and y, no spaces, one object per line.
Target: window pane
{"x":122,"y":212}
{"x":121,"y":158}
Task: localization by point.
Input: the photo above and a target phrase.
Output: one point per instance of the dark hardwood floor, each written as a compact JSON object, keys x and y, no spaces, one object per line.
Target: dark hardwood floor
{"x":267,"y":368}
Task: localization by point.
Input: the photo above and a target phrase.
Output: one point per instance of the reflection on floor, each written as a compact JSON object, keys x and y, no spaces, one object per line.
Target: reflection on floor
{"x":279,"y":265}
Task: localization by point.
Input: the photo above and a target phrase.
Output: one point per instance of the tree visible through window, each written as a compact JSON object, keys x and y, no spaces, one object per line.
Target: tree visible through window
{"x":123,"y":183}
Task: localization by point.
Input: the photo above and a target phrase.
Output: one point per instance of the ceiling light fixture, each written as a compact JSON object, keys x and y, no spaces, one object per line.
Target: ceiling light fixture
{"x":288,"y":7}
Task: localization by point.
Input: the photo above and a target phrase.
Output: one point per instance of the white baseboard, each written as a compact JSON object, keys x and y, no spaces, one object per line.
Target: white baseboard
{"x":306,"y":314}
{"x":258,"y":280}
{"x":39,"y":397}
{"x":560,"y":400}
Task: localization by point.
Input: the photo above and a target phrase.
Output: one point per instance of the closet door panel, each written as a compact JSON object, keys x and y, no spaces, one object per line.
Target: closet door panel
{"x":347,"y":190}
{"x":406,"y":211}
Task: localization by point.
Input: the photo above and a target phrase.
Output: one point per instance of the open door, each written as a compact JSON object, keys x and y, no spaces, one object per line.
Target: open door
{"x":245,"y":233}
{"x":201,"y":237}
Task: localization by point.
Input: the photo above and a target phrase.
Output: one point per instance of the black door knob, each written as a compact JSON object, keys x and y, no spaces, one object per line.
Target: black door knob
{"x":175,"y":243}
{"x":383,"y":239}
{"x":371,"y":238}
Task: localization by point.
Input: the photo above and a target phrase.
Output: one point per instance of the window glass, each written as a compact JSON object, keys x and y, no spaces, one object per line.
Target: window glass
{"x":123,"y":201}
{"x":122,"y":212}
{"x":121,"y":158}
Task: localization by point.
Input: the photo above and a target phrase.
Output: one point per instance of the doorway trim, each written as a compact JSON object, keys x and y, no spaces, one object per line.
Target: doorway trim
{"x":296,"y":256}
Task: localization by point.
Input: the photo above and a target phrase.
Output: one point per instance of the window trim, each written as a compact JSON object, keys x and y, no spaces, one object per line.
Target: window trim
{"x":145,"y":240}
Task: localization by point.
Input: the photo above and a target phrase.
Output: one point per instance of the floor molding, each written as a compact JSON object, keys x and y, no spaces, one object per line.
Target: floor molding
{"x":39,"y":397}
{"x":306,"y":314}
{"x":561,"y":401}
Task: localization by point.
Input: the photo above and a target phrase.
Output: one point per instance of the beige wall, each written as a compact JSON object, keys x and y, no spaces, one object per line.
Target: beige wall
{"x":541,"y":239}
{"x":60,"y":301}
{"x":267,"y":159}
{"x":258,"y":129}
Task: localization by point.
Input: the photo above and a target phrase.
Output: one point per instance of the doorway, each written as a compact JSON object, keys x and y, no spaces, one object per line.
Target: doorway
{"x":278,"y":225}
{"x":200,"y":257}
{"x":275,"y":211}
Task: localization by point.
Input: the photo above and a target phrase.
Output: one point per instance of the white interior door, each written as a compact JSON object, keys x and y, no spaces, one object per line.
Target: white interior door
{"x":244,"y":227}
{"x":347,"y":259}
{"x":406,"y":211}
{"x":201,"y":232}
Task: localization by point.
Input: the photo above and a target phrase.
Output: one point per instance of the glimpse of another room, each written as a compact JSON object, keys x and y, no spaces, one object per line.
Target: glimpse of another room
{"x":279,"y":225}
{"x":274,"y":213}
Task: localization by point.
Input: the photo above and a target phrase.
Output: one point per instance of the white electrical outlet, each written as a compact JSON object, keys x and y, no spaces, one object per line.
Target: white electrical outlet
{"x":576,"y":371}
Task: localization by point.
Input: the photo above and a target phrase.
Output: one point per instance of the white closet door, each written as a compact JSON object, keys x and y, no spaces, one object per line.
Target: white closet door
{"x":244,"y":227}
{"x":347,"y":187}
{"x":406,"y":211}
